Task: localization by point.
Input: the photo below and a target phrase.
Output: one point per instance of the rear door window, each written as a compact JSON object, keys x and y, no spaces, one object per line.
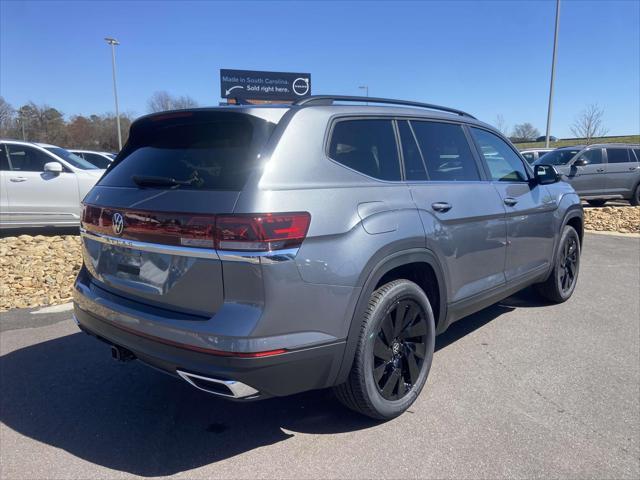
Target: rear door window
{"x":367,"y":146}
{"x":637,"y":153}
{"x":504,"y":165}
{"x":446,"y":152}
{"x":617,"y":155}
{"x":198,"y":150}
{"x":529,"y":157}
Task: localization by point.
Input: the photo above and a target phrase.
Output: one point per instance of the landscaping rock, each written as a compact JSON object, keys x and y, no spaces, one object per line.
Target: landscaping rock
{"x":613,"y":219}
{"x":37,"y":271}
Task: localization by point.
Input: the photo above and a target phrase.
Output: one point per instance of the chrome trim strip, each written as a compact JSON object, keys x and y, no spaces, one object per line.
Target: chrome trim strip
{"x":152,"y":247}
{"x":224,"y":255}
{"x":238,"y":389}
{"x":258,"y":257}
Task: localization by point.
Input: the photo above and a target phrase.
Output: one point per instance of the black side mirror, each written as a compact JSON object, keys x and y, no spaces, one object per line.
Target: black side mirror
{"x":581,"y":162}
{"x":546,"y":174}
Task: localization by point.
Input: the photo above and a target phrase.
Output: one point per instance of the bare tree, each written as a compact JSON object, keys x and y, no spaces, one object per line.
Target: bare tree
{"x":6,"y":116}
{"x":524,"y":132}
{"x":589,"y":124}
{"x":162,"y":101}
{"x":501,"y":125}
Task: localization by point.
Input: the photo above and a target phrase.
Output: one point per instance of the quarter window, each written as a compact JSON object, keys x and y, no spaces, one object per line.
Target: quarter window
{"x":617,"y":155}
{"x":529,"y":157}
{"x":27,"y":159}
{"x":504,"y":165}
{"x":367,"y":146}
{"x":446,"y":152}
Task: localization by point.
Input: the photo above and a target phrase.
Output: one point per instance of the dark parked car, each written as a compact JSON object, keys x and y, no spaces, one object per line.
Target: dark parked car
{"x":544,"y":139}
{"x":259,"y":251}
{"x":600,"y":172}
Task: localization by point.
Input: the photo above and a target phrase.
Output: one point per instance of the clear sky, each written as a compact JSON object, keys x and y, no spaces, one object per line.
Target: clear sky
{"x":487,"y":58}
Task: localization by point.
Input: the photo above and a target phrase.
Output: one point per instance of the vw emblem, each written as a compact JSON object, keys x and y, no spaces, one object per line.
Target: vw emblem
{"x":118,"y":223}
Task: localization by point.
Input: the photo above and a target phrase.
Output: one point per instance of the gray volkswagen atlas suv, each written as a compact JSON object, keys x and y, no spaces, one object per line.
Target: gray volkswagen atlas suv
{"x":600,"y":172}
{"x":258,"y":251}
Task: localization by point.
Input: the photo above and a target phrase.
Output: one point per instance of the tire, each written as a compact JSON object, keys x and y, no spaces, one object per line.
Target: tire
{"x":395,"y":353}
{"x":562,"y":281}
{"x":596,"y":203}
{"x":635,"y":199}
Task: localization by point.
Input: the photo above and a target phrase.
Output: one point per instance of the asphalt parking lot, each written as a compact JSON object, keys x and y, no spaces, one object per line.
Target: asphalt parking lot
{"x":519,"y":390}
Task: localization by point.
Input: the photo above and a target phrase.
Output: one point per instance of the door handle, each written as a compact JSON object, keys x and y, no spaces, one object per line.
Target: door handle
{"x":18,"y":179}
{"x":634,"y":168}
{"x":510,"y":201}
{"x":441,"y":206}
{"x":600,"y":170}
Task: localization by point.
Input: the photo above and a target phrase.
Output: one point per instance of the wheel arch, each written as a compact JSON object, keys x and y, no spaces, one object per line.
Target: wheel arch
{"x":378,"y":274}
{"x":575,"y":218}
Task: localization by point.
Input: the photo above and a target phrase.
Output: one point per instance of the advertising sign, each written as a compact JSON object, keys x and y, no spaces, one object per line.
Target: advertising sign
{"x":254,"y":85}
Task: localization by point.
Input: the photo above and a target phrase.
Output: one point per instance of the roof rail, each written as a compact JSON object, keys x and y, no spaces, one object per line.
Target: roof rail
{"x":330,"y":99}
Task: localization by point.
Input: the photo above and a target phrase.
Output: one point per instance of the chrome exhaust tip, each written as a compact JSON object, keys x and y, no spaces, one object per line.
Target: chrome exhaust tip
{"x":224,"y":388}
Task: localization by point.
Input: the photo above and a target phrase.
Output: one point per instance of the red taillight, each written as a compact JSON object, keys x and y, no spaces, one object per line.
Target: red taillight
{"x":263,"y":232}
{"x":259,"y":232}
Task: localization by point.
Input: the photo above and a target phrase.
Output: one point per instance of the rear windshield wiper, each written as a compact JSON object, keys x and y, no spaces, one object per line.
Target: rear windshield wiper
{"x":151,"y":181}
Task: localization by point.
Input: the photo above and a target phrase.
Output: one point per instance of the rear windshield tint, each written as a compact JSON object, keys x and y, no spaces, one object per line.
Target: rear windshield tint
{"x":209,"y":150}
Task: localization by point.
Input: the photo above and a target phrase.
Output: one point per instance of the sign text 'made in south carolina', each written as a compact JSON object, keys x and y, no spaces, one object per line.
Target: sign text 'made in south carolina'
{"x":254,"y":85}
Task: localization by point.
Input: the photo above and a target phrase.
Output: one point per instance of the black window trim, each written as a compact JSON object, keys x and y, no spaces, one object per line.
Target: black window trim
{"x":485,"y":166}
{"x":415,"y":139}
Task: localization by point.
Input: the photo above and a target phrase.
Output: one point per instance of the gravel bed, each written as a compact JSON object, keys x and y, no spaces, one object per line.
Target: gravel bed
{"x":613,"y":219}
{"x":37,"y":270}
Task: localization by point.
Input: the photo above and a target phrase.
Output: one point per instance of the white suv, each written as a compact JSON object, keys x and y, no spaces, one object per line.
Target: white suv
{"x":42,"y":185}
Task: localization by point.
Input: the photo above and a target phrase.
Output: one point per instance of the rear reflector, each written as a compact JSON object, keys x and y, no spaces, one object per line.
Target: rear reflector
{"x":259,"y":232}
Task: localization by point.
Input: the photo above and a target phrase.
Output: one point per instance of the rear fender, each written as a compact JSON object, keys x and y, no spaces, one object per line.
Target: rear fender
{"x":375,"y":273}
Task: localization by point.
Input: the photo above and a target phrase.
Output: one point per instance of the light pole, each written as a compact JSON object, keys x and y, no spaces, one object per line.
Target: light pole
{"x":113,"y":42}
{"x":553,"y":72}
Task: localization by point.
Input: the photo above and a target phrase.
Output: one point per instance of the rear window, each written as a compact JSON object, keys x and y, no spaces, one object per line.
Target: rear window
{"x":200,"y":150}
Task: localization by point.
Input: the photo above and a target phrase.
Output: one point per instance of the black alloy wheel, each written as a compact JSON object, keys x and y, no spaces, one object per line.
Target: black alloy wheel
{"x":568,"y":268}
{"x":400,"y":348}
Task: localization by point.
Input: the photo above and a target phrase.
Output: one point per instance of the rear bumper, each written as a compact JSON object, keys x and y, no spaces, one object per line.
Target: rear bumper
{"x":278,"y":375}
